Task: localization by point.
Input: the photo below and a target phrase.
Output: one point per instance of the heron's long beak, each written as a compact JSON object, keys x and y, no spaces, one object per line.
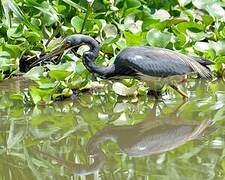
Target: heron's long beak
{"x":54,"y":53}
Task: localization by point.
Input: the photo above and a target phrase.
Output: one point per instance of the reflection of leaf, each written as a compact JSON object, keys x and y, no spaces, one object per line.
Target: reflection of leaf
{"x":31,"y":165}
{"x":14,"y":138}
{"x":220,"y":115}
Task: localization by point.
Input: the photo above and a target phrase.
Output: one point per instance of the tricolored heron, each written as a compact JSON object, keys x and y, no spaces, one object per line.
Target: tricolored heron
{"x":148,"y":64}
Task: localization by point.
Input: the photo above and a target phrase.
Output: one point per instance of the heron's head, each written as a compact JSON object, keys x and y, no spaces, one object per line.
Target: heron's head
{"x":69,"y":42}
{"x":74,"y":40}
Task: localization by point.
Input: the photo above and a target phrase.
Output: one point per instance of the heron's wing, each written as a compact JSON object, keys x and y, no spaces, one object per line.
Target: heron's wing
{"x":161,"y":62}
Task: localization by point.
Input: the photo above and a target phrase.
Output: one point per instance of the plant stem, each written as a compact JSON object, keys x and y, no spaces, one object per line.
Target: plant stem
{"x":89,"y":9}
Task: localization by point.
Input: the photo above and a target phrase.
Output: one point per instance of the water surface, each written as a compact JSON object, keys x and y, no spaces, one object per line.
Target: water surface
{"x":101,"y":135}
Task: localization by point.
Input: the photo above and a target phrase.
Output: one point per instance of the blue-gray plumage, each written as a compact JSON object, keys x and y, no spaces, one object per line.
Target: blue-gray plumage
{"x":142,"y":62}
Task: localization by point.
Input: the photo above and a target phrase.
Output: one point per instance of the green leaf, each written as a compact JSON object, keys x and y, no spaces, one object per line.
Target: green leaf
{"x":184,"y":2}
{"x":68,"y":66}
{"x":218,"y":46}
{"x":135,"y":39}
{"x":11,"y":5}
{"x":192,"y":26}
{"x":133,"y":4}
{"x":38,"y":94}
{"x":202,"y":46}
{"x":77,"y":23}
{"x":15,"y":32}
{"x":110,"y":30}
{"x":158,"y":39}
{"x":201,"y":4}
{"x":59,"y":75}
{"x":75,"y":5}
{"x":35,"y":73}
{"x":123,"y":90}
{"x":162,"y":14}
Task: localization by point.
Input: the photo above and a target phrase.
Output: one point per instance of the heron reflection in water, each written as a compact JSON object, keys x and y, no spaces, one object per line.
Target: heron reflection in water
{"x":148,"y":64}
{"x":154,"y":135}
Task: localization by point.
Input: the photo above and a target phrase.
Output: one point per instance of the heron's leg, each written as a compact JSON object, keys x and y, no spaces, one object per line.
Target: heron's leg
{"x":183,"y":94}
{"x":155,"y":88}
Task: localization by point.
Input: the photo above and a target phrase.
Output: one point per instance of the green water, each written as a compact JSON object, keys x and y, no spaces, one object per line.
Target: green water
{"x":100,"y":135}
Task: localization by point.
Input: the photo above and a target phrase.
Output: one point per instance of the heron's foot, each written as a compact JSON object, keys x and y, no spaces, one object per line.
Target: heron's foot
{"x":155,"y":94}
{"x":183,"y":94}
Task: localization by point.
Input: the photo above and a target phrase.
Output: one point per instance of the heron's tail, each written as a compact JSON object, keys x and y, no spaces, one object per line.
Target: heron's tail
{"x":200,"y":65}
{"x":202,"y":61}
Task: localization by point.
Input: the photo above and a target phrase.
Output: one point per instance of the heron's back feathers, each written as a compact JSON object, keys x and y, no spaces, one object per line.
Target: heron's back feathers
{"x":160,"y":62}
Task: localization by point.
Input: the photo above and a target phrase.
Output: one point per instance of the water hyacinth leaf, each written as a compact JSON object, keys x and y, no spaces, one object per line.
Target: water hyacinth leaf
{"x":161,"y":14}
{"x":40,"y":95}
{"x":50,"y":16}
{"x":129,"y":19}
{"x":184,"y":2}
{"x":75,"y":5}
{"x":218,"y":46}
{"x":201,"y":4}
{"x":132,"y":25}
{"x":41,"y":92}
{"x":132,"y":4}
{"x":199,"y":36}
{"x":32,"y":37}
{"x":216,"y":11}
{"x":135,"y":39}
{"x":80,"y":68}
{"x":67,"y":92}
{"x":202,"y":46}
{"x":121,"y":43}
{"x":34,"y":73}
{"x":192,"y":26}
{"x":36,"y":22}
{"x":15,"y":51}
{"x":123,"y":90}
{"x":68,"y":66}
{"x":15,"y":32}
{"x":77,"y":23}
{"x":158,"y":39}
{"x":59,"y":75}
{"x":11,"y":5}
{"x":110,"y":30}
{"x":4,"y":54}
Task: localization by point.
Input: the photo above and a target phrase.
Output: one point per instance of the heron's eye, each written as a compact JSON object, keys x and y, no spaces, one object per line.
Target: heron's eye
{"x":68,"y":43}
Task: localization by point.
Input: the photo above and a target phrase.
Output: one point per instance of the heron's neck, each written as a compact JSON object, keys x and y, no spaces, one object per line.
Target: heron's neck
{"x":90,"y":56}
{"x":93,"y":45}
